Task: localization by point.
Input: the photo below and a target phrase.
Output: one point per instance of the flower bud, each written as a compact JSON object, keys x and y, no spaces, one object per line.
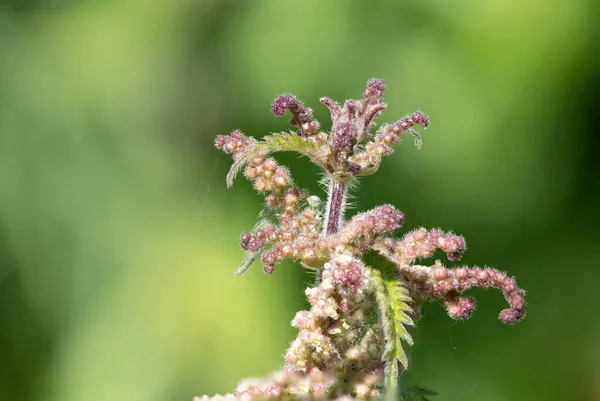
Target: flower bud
{"x":343,"y":137}
{"x":459,"y":307}
{"x":284,"y":102}
{"x":375,"y":89}
{"x":511,"y":316}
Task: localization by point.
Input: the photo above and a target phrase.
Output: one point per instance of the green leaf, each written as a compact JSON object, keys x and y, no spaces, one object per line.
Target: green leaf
{"x":287,"y":141}
{"x":393,"y":302}
{"x":248,"y":261}
{"x":238,"y":163}
{"x":277,"y":142}
{"x":418,"y":138}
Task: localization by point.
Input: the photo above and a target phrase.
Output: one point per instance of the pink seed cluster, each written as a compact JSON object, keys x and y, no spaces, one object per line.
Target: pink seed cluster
{"x":330,"y":337}
{"x":382,"y":145}
{"x":297,"y":237}
{"x":286,"y":383}
{"x":407,"y":123}
{"x":459,"y":307}
{"x":236,"y":143}
{"x":349,"y":274}
{"x":296,"y":234}
{"x":421,"y":244}
{"x":267,"y":174}
{"x":365,"y":227}
{"x":279,"y":385}
{"x":439,"y":282}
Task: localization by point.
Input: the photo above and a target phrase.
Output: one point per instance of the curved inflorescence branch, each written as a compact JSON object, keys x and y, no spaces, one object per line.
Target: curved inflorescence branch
{"x":422,"y":244}
{"x":439,"y":282}
{"x":365,"y":228}
{"x":369,"y":285}
{"x":302,"y":117}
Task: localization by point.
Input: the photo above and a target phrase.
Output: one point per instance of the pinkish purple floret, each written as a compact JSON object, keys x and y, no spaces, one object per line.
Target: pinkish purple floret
{"x":375,"y":88}
{"x":333,"y":106}
{"x":460,"y":307}
{"x":343,"y":137}
{"x":285,"y":102}
{"x":349,"y":274}
{"x":235,"y":143}
{"x":511,"y":316}
{"x":306,"y":114}
{"x":420,"y":118}
{"x":367,"y":226}
{"x":407,"y":123}
{"x":420,"y":244}
{"x":448,"y":283}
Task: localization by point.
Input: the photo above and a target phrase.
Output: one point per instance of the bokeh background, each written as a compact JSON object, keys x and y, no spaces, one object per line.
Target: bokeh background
{"x":118,"y":238}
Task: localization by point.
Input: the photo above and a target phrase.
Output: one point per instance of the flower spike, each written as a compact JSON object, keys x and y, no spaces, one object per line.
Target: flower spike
{"x":370,"y":285}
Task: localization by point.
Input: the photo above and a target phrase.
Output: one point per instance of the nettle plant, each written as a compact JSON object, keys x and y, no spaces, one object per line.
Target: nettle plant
{"x":369,"y":284}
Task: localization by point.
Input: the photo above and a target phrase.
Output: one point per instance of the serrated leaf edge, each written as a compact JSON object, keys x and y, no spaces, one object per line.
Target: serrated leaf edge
{"x":392,"y":300}
{"x":276,"y":142}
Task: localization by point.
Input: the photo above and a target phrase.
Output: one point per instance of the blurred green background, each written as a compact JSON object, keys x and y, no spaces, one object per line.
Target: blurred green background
{"x":118,"y":238}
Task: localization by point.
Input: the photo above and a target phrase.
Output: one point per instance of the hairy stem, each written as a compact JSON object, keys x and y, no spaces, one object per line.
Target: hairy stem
{"x":336,"y":202}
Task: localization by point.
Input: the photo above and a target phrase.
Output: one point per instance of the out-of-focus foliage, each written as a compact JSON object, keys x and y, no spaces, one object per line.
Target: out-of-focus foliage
{"x":118,"y":239}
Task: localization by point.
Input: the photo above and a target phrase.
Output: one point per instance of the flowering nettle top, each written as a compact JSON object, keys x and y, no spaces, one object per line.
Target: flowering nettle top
{"x":350,"y":149}
{"x":369,"y":282}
